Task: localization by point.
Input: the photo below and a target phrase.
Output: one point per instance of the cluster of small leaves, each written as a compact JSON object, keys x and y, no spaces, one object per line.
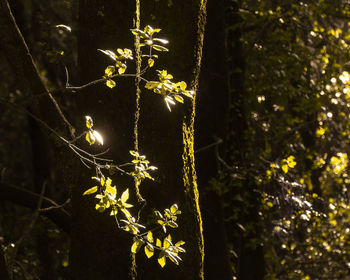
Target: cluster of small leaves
{"x":92,"y":135}
{"x":166,"y":248}
{"x":141,"y":167}
{"x":107,"y":197}
{"x":105,"y":192}
{"x":285,"y":165}
{"x":119,"y":58}
{"x":171,"y":91}
{"x":169,"y":217}
{"x":148,"y":40}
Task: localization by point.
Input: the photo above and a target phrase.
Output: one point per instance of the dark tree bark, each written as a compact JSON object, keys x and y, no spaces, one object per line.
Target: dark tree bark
{"x":251,"y":265}
{"x":213,"y":106}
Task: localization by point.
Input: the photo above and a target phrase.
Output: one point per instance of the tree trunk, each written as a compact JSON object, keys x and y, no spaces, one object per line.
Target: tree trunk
{"x":251,"y":265}
{"x":210,"y":131}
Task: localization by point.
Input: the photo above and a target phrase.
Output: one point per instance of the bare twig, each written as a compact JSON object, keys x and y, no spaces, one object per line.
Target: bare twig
{"x":28,"y":229}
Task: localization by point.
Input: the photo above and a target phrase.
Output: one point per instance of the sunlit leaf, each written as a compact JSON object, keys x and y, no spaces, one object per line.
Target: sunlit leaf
{"x":163,"y":41}
{"x":149,"y":30}
{"x":149,"y":251}
{"x":114,"y":212}
{"x":110,"y":70}
{"x":103,"y":181}
{"x":90,"y":137}
{"x":183,"y":85}
{"x":111,"y":83}
{"x":174,"y":208}
{"x":161,"y":259}
{"x":149,"y":237}
{"x":136,"y":246}
{"x":98,"y":137}
{"x":151,"y":85}
{"x":65,"y":27}
{"x":125,"y":195}
{"x":167,"y":242}
{"x":172,"y":257}
{"x":285,"y":168}
{"x":179,"y":243}
{"x":139,"y":33}
{"x":150,"y":62}
{"x":179,"y":98}
{"x":89,"y":122}
{"x":111,"y":54}
{"x":121,"y":70}
{"x":91,"y":190}
{"x":134,"y":153}
{"x":160,"y":48}
{"x":111,"y":190}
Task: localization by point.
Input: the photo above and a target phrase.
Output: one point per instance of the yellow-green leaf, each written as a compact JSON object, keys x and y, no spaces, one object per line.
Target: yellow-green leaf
{"x":179,"y":98}
{"x":179,"y":243}
{"x":125,"y":195}
{"x":150,"y":62}
{"x":134,"y":153}
{"x":136,"y":246}
{"x":151,"y":85}
{"x":114,"y":212}
{"x":150,"y":237}
{"x":90,"y":138}
{"x":108,"y":182}
{"x":103,"y":181}
{"x":121,"y":70}
{"x":174,"y":208}
{"x":183,"y":85}
{"x":167,"y":242}
{"x":285,"y":168}
{"x":160,"y":48}
{"x":149,"y":30}
{"x":110,"y":83}
{"x":109,"y":71}
{"x":149,"y":251}
{"x":161,"y":259}
{"x":138,"y":32}
{"x":89,"y":122}
{"x":91,"y":190}
{"x":111,"y":190}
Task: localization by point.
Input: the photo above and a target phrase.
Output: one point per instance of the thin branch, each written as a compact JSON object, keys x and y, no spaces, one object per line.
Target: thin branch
{"x":216,"y":143}
{"x":30,"y":200}
{"x":70,"y":127}
{"x":98,"y":81}
{"x":55,"y":206}
{"x":20,"y":109}
{"x":28,"y":229}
